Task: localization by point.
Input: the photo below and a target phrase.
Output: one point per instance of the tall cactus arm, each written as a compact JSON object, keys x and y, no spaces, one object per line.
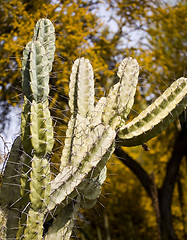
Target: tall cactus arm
{"x":81,"y":103}
{"x":44,"y":32}
{"x":121,"y":96}
{"x":91,"y":192}
{"x":37,"y":131}
{"x":156,"y":117}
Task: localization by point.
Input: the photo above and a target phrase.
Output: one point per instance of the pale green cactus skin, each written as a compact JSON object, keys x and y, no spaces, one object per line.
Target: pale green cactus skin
{"x":92,"y":133}
{"x":44,"y":32}
{"x":37,"y":130}
{"x":10,"y":192}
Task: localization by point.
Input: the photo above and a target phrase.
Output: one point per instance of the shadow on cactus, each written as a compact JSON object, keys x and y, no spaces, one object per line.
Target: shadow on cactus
{"x":35,"y":206}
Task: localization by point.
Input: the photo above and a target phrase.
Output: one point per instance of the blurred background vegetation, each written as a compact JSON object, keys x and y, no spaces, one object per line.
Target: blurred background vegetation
{"x":145,"y":194}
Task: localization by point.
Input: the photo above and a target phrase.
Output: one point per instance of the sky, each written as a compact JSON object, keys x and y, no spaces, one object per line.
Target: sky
{"x":11,"y":131}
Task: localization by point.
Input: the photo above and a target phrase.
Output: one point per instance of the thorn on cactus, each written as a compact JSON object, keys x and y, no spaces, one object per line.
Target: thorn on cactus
{"x":92,"y":133}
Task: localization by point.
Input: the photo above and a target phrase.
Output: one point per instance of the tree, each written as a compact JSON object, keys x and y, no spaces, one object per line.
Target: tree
{"x":78,"y":31}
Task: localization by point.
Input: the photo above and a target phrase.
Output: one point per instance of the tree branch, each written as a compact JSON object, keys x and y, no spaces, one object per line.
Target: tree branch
{"x":135,"y":167}
{"x":172,"y":171}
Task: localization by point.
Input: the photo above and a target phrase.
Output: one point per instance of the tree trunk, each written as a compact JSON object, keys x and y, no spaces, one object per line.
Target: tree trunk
{"x":166,"y":191}
{"x":146,"y":180}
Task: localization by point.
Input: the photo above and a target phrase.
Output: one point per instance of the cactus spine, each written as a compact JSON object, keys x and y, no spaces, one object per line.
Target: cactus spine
{"x":92,"y":133}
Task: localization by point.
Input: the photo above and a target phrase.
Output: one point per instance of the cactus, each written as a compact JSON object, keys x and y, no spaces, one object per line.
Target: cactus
{"x":33,"y":204}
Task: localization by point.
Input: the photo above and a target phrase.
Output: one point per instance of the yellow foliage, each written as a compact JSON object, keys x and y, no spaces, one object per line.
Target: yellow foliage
{"x":79,"y":33}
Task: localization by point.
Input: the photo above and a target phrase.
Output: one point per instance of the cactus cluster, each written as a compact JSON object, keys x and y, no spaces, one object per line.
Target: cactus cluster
{"x":33,"y":205}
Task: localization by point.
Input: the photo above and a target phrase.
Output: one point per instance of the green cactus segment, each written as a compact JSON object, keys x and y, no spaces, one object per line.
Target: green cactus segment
{"x":41,"y":128}
{"x":92,"y":192}
{"x":63,"y":224}
{"x":121,"y":96}
{"x":37,"y":131}
{"x":35,"y":189}
{"x":33,"y":228}
{"x":39,"y":197}
{"x":156,"y":117}
{"x":24,"y":191}
{"x":10,"y":194}
{"x":92,"y":153}
{"x":39,"y":184}
{"x":44,"y":32}
{"x":81,"y":93}
{"x":9,"y":191}
{"x":39,"y":73}
{"x":92,"y":184}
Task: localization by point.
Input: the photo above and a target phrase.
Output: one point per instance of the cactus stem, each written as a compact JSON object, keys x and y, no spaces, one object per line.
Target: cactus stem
{"x":89,"y":143}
